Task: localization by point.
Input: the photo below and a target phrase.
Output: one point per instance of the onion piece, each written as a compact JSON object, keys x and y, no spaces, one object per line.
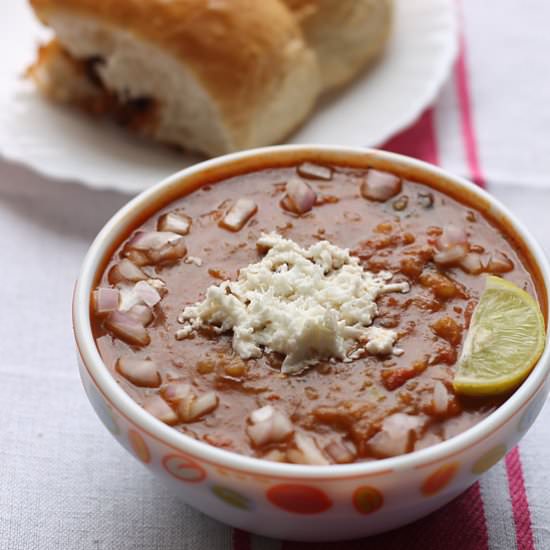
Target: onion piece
{"x":299,"y":197}
{"x":158,"y":407}
{"x":314,"y":171}
{"x":141,"y":313}
{"x":471,"y":263}
{"x":308,"y":452}
{"x":176,"y":391}
{"x":452,"y":234}
{"x":105,"y":300}
{"x":440,"y":400}
{"x":141,"y":293}
{"x":155,"y":247}
{"x":275,"y":455}
{"x":450,"y":255}
{"x":141,"y":372}
{"x":260,"y":415}
{"x":169,"y":253}
{"x":268,"y":426}
{"x":259,"y":433}
{"x":380,"y":186}
{"x":147,"y":293}
{"x":159,"y":286}
{"x":396,"y":436}
{"x":136,"y":256}
{"x":339,"y":453}
{"x":237,"y":216}
{"x":191,"y":408}
{"x":500,"y":263}
{"x":152,"y":240}
{"x":126,"y":270}
{"x":204,"y":404}
{"x":127,"y":328}
{"x":174,"y":222}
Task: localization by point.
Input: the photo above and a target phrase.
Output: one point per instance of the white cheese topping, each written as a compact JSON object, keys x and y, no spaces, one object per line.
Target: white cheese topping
{"x":308,"y":304}
{"x":193,"y":260}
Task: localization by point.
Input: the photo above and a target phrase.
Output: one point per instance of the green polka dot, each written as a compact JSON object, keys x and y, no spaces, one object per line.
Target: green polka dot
{"x":489,"y":459}
{"x":231,"y":497}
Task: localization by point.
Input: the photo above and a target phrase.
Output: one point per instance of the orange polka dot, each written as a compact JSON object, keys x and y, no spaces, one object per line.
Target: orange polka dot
{"x":299,"y":499}
{"x":439,"y":479}
{"x":139,"y":446}
{"x":367,"y":500}
{"x":183,"y":468}
{"x":489,"y":459}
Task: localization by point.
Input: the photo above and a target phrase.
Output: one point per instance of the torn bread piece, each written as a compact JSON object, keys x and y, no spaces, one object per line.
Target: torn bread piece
{"x":211,"y":77}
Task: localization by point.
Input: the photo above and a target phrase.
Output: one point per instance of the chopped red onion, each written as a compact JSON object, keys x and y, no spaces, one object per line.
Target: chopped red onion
{"x":471,"y":263}
{"x":176,"y":391}
{"x":300,"y":197}
{"x":158,"y":407}
{"x":141,"y":313}
{"x":260,"y":415}
{"x":159,"y":286}
{"x":308,"y":452}
{"x":126,"y":270}
{"x":275,"y":455}
{"x":268,"y":426}
{"x":380,"y":186}
{"x":191,"y":408}
{"x":339,"y":453}
{"x":450,"y":255}
{"x":126,"y":327}
{"x":440,"y":400}
{"x":141,"y":372}
{"x":105,"y":300}
{"x":155,"y":247}
{"x":136,"y":256}
{"x":500,"y":263}
{"x":147,"y":293}
{"x":315,"y":171}
{"x":174,"y":222}
{"x":169,"y":253}
{"x":237,"y":216}
{"x":155,"y":240}
{"x":451,"y":235}
{"x":396,"y":436}
{"x":259,"y":433}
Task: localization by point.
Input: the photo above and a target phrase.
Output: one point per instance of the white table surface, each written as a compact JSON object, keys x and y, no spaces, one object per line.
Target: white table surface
{"x":64,"y":482}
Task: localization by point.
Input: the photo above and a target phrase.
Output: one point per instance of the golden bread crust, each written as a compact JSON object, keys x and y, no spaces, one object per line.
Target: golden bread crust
{"x":347,"y":35}
{"x":239,"y":49}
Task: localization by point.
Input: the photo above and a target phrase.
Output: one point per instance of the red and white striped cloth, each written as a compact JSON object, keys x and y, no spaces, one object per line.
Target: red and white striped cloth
{"x":66,"y":485}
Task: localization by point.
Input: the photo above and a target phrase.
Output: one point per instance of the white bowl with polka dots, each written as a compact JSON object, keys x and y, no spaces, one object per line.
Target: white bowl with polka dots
{"x":297,"y":501}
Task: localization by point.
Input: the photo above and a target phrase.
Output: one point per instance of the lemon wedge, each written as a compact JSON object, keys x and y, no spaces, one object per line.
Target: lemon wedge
{"x":505,"y":340}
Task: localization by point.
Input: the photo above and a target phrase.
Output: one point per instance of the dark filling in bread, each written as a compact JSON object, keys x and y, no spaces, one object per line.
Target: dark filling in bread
{"x":140,"y":114}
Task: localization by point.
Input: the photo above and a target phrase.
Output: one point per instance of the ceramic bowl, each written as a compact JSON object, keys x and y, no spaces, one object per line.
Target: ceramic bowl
{"x":297,"y":501}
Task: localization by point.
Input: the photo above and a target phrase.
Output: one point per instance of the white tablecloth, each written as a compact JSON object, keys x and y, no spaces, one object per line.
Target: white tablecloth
{"x":66,"y":484}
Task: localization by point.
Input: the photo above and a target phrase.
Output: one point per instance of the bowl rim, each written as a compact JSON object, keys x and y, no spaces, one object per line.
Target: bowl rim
{"x":190,"y":447}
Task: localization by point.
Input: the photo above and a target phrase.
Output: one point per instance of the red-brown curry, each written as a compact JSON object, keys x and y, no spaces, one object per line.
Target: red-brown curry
{"x":372,"y":407}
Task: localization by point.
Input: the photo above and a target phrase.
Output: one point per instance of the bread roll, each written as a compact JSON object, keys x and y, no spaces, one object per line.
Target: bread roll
{"x":212,"y":76}
{"x":347,"y":35}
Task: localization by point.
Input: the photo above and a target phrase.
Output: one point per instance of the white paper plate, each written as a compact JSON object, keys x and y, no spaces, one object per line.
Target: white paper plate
{"x":64,"y":144}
